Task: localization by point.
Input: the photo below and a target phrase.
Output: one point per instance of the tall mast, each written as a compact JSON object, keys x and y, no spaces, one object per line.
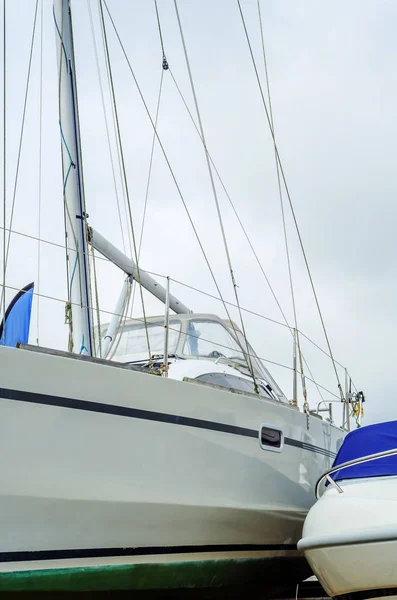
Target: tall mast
{"x":74,"y":205}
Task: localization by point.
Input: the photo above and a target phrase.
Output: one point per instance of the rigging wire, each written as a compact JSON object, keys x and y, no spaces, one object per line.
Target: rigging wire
{"x":40,"y":174}
{"x":280,"y":193}
{"x":6,"y":250}
{"x":151,"y":162}
{"x":167,"y":161}
{"x":40,"y":182}
{"x":117,"y":144}
{"x":290,"y":203}
{"x":124,"y":169}
{"x":278,"y":170}
{"x":164,"y":68}
{"x":98,"y":312}
{"x":248,"y":311}
{"x":106,"y":122}
{"x":234,"y":209}
{"x":123,"y":319}
{"x":261,"y":358}
{"x":231,"y":202}
{"x":165,"y":62}
{"x":226,"y":302}
{"x":242,"y":227}
{"x":319,"y":348}
{"x":214,"y":192}
{"x":148,"y":179}
{"x":256,"y":314}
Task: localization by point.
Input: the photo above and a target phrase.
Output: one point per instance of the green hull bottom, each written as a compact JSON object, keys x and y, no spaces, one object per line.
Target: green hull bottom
{"x":262,"y":572}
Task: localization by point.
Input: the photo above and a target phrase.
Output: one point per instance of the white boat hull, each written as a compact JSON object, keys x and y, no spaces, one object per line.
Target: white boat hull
{"x":350,"y":539}
{"x":108,"y":466}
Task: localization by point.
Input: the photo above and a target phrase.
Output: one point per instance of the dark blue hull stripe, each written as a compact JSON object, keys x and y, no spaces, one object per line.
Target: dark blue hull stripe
{"x":147,"y":415}
{"x":144,"y":551}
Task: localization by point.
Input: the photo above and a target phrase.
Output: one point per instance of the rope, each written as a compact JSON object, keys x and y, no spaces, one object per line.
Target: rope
{"x":68,"y":216}
{"x":68,"y":310}
{"x":73,"y":273}
{"x":59,"y":34}
{"x":6,"y":250}
{"x":69,"y":321}
{"x":67,"y":149}
{"x":124,"y":171}
{"x":83,"y":347}
{"x":214,"y":193}
{"x":290,"y":204}
{"x":40,"y":174}
{"x":65,"y":205}
{"x":84,"y":258}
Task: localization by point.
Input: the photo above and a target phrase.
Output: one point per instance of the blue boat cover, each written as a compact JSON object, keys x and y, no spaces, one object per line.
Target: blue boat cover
{"x":15,"y":326}
{"x":364,"y":441}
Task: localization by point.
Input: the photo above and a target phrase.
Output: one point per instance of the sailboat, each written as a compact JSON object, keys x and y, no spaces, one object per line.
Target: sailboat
{"x":184,"y":468}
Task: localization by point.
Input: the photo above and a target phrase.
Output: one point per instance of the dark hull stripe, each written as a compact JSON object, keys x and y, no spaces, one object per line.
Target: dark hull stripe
{"x":310,"y":447}
{"x":147,"y":415}
{"x":368,"y":594}
{"x":145,"y":551}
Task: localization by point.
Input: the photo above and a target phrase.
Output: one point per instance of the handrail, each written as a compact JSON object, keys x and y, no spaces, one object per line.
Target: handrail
{"x":351,"y":463}
{"x":337,"y":400}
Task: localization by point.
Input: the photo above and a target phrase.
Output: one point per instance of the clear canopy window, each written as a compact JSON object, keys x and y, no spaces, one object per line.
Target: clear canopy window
{"x":134,"y":339}
{"x":210,"y":339}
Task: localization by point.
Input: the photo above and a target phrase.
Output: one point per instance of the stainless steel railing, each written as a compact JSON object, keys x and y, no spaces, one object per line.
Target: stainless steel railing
{"x":350,"y":463}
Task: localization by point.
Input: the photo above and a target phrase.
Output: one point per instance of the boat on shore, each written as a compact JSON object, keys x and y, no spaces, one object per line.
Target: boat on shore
{"x":157,"y":452}
{"x":350,"y":534}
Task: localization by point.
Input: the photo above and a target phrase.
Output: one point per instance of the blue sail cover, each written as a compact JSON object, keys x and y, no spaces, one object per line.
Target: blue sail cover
{"x":364,"y":441}
{"x":15,"y":326}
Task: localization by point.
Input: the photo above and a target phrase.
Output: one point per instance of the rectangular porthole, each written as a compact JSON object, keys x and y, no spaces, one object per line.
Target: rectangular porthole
{"x":271,"y":438}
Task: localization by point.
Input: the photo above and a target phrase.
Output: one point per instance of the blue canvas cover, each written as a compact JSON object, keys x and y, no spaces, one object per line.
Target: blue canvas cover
{"x":364,"y":441}
{"x":15,"y":326}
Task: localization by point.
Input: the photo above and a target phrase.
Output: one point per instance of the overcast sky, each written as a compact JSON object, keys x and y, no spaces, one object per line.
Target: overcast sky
{"x":334,"y":95}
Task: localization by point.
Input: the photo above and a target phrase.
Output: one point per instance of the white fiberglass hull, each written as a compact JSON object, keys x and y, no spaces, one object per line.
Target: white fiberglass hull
{"x":350,"y":539}
{"x":106,"y":466}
